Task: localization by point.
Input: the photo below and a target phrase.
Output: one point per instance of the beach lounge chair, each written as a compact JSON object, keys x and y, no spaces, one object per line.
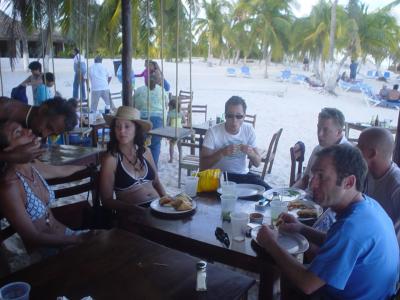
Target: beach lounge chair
{"x":369,"y":96}
{"x":285,"y":75}
{"x":298,"y":78}
{"x":389,"y":104}
{"x":386,"y":74}
{"x":350,"y":86}
{"x":371,"y":74}
{"x":231,"y":72}
{"x":245,"y":71}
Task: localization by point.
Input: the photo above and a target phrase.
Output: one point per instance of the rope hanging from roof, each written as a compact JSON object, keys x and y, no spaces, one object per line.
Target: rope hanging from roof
{"x":178,"y":104}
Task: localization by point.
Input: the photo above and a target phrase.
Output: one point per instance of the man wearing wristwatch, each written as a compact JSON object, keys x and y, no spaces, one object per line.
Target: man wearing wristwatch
{"x":227,"y":145}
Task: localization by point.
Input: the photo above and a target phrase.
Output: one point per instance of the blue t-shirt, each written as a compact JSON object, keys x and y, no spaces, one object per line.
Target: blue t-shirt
{"x":360,"y":257}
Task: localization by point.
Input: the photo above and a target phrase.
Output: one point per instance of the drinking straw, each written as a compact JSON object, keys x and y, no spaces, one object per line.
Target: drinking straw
{"x":226,"y":176}
{"x":197,"y":172}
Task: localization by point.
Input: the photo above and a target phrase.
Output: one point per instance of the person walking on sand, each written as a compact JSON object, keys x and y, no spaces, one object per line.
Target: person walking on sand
{"x":80,"y":70}
{"x":99,"y":80}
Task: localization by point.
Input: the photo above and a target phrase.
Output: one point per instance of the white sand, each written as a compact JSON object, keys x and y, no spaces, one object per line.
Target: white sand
{"x":296,"y":112}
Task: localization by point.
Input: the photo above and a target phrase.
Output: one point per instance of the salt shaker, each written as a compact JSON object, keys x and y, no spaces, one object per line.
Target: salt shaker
{"x":201,"y":267}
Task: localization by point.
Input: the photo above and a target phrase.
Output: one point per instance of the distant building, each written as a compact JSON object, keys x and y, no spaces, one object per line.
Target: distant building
{"x":34,"y":39}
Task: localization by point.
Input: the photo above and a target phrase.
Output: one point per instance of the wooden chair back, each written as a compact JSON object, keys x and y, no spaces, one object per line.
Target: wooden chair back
{"x":251,"y":119}
{"x":199,"y":109}
{"x":270,"y":155}
{"x":116,"y":96}
{"x":297,"y":158}
{"x":185,"y":102}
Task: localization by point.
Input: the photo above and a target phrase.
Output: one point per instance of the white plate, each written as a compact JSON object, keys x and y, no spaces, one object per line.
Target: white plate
{"x":247,"y":190}
{"x":309,"y":204}
{"x":294,"y":243}
{"x":287,"y":194}
{"x":155,"y":205}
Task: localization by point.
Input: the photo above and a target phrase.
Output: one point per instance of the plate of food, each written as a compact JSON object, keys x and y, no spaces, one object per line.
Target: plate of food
{"x":304,"y":210}
{"x":294,"y":243}
{"x":247,"y":190}
{"x":285,"y":194}
{"x":180,"y":204}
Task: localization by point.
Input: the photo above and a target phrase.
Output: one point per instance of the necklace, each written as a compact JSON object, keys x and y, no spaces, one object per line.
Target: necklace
{"x":31,"y":178}
{"x":27,"y":116}
{"x":133,"y":163}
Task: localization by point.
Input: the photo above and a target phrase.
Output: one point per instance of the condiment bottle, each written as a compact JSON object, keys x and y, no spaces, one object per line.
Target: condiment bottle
{"x":201,"y":267}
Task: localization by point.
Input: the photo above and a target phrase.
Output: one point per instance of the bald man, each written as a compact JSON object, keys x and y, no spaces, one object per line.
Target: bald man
{"x":383,"y":180}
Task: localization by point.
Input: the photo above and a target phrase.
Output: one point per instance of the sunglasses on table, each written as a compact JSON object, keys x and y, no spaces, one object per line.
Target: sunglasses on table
{"x":231,"y":116}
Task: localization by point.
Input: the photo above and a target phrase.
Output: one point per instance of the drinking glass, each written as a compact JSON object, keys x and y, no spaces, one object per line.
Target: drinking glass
{"x":191,"y":185}
{"x":239,"y":222}
{"x":277,"y":207}
{"x":227,"y":206}
{"x":15,"y":291}
{"x":228,"y":188}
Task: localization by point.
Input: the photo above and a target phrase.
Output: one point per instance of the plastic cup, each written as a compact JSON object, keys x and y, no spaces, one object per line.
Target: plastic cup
{"x":15,"y":291}
{"x":239,"y":222}
{"x":228,"y":188}
{"x":191,"y":185}
{"x":277,"y":207}
{"x":227,"y":206}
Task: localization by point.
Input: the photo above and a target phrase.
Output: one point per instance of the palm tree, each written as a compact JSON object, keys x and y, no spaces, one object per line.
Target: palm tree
{"x":212,"y":26}
{"x":271,"y":21}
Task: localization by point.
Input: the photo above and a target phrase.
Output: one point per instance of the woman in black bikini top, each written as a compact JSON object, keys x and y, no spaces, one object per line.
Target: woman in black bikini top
{"x":128,"y":168}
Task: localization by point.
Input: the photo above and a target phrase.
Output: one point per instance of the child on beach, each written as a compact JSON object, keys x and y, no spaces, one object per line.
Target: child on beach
{"x":43,"y":90}
{"x":174,"y":118}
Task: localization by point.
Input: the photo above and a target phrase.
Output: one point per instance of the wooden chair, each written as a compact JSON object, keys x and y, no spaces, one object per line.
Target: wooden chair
{"x":185,"y":101}
{"x":297,"y":158}
{"x":191,"y":161}
{"x":251,"y":119}
{"x":268,"y":157}
{"x":199,"y":109}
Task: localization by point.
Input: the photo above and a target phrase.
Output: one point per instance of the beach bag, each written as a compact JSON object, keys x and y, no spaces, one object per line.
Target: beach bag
{"x":208,"y":180}
{"x":19,"y":93}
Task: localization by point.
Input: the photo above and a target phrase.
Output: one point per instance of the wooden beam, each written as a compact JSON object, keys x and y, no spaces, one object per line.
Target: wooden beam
{"x":126,"y":53}
{"x":396,"y":154}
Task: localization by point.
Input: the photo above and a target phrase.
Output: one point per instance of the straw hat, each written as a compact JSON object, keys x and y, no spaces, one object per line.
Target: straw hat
{"x":130,"y":114}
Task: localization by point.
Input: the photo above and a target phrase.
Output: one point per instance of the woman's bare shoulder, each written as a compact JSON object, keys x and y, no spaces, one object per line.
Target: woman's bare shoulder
{"x":109,"y":159}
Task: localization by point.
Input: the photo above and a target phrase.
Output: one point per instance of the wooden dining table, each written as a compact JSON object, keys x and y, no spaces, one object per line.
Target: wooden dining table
{"x":195,"y":233}
{"x":70,"y":155}
{"x":117,"y":264}
{"x":357,"y":126}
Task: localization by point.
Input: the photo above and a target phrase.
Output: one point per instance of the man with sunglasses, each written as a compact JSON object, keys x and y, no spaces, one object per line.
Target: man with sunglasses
{"x":227,"y":145}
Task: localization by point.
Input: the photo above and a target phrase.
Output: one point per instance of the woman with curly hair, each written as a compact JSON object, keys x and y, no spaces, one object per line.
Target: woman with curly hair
{"x":128,"y":167}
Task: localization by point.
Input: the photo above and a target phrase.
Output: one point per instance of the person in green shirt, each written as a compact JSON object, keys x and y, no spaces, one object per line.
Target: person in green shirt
{"x":152,"y":102}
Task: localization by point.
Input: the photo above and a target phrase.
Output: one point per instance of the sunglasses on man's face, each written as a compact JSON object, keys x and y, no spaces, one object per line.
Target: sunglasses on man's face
{"x":231,"y":116}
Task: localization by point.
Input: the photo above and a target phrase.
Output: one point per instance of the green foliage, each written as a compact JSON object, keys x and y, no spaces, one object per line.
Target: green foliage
{"x":253,"y":28}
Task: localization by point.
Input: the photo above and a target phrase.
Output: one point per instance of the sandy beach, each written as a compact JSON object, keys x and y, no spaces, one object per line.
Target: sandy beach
{"x":293,"y":107}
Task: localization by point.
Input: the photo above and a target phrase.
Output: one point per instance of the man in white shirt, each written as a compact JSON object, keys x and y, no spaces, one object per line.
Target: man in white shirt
{"x":330,"y":132}
{"x":227,"y":145}
{"x":99,"y":80}
{"x":383,"y":178}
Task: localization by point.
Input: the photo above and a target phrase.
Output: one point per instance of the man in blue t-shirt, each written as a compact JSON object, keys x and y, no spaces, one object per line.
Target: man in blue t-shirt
{"x":359,"y":255}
